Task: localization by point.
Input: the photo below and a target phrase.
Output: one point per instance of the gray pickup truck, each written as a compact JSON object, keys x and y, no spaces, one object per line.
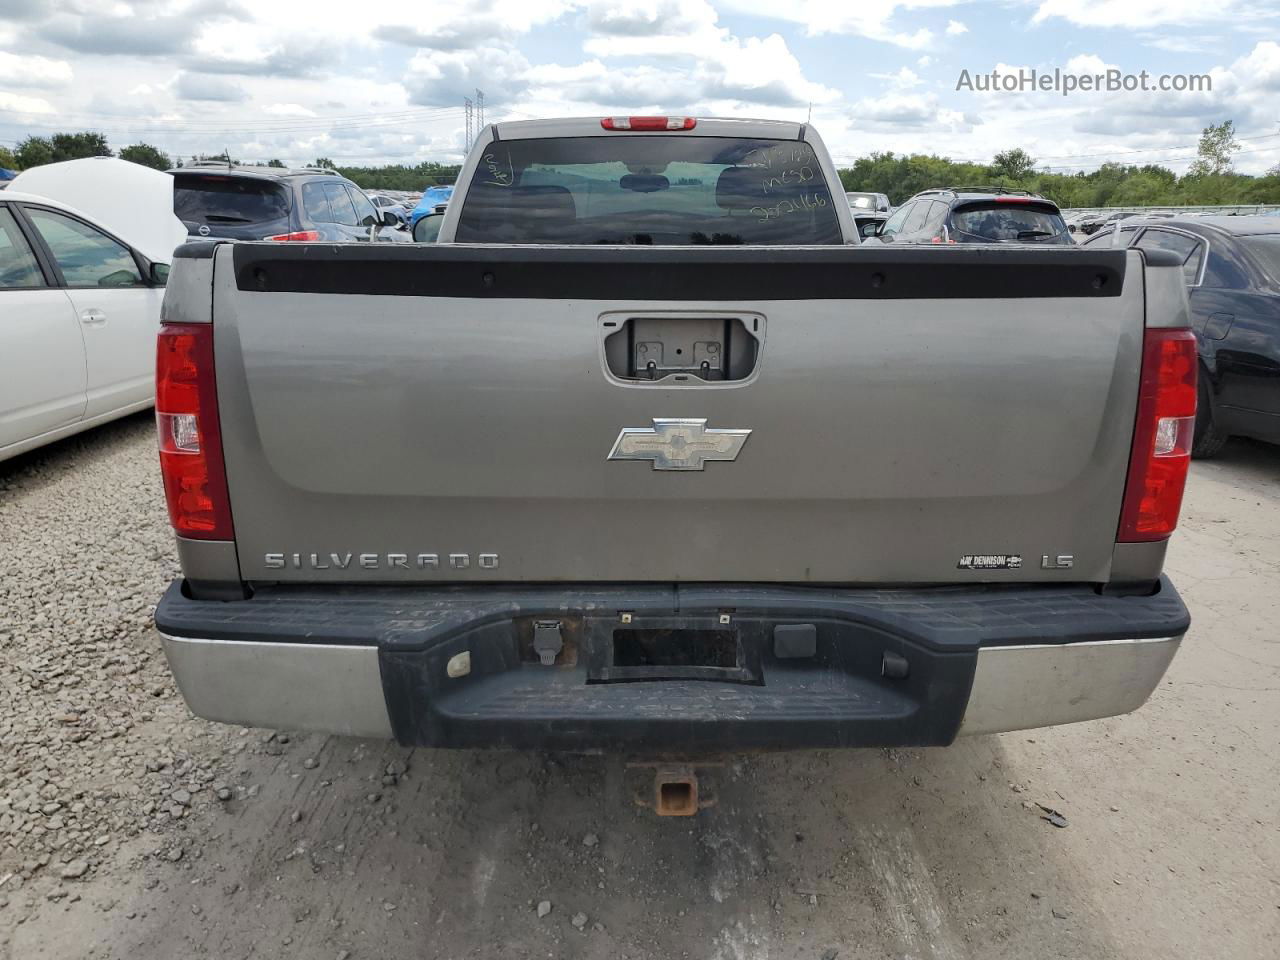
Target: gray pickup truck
{"x":649,"y":454}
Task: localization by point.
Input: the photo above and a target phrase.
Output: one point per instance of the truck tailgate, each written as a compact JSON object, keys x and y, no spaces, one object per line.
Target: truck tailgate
{"x":412,"y":414}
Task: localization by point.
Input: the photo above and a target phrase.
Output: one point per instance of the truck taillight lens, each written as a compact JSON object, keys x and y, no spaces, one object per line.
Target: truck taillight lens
{"x":195,"y":480}
{"x":298,"y":236}
{"x":1162,"y":436}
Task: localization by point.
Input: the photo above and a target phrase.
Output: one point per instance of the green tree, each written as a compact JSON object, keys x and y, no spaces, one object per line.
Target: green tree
{"x":401,"y":177}
{"x":325,"y":162}
{"x":1264,"y":189}
{"x":223,"y":157}
{"x":1112,"y":184}
{"x":1217,"y":144}
{"x":34,"y":151}
{"x":146,"y":155}
{"x":7,"y":159}
{"x":275,"y":163}
{"x":1014,"y":164}
{"x":73,"y":146}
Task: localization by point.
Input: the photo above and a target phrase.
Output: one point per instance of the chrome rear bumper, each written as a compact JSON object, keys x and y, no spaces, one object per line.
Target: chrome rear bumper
{"x":324,"y":688}
{"x":1042,"y":685}
{"x":338,"y":689}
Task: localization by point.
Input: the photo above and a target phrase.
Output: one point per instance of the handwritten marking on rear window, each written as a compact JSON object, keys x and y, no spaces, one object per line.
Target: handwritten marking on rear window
{"x":778,"y":155}
{"x":498,"y":177}
{"x":802,"y":174}
{"x":805,"y":201}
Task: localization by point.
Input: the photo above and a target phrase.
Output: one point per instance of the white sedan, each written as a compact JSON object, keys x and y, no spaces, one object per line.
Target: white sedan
{"x":79,"y":312}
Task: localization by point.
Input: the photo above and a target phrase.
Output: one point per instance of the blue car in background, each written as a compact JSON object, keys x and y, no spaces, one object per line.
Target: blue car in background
{"x":431,"y":198}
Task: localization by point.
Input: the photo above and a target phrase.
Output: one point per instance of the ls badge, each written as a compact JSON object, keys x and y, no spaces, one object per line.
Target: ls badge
{"x":676,"y":444}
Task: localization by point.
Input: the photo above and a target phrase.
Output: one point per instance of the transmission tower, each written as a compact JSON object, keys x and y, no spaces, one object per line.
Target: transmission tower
{"x":479,"y":110}
{"x":469,"y":107}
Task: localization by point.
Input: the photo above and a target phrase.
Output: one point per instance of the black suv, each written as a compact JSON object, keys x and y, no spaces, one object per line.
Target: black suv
{"x":975,"y":215}
{"x":229,"y":201}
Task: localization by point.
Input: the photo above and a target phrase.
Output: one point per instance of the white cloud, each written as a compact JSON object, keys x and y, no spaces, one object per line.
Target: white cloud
{"x":904,"y":79}
{"x":20,"y":104}
{"x":702,"y":62}
{"x":874,"y":19}
{"x":1189,"y":44}
{"x":624,"y":88}
{"x":754,"y":71}
{"x":646,"y":18}
{"x":1260,"y":68}
{"x":33,"y":71}
{"x":199,"y":86}
{"x":459,"y":24}
{"x":443,"y":78}
{"x":137,"y":28}
{"x":924,"y":61}
{"x":909,"y":111}
{"x":229,"y":48}
{"x":955,"y":28}
{"x":1082,"y":63}
{"x":692,"y":62}
{"x":288,"y":110}
{"x":1140,"y":13}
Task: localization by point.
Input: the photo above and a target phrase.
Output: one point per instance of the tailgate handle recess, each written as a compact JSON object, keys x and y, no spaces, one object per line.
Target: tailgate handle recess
{"x":681,"y":349}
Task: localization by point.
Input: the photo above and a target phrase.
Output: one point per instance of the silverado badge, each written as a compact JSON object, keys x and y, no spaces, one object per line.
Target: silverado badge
{"x":676,"y":444}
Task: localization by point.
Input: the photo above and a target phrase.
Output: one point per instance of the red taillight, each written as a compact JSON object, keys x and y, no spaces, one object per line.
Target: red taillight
{"x":298,"y":236}
{"x":195,"y":480}
{"x":1162,"y":436}
{"x":648,"y":123}
{"x":1017,"y":200}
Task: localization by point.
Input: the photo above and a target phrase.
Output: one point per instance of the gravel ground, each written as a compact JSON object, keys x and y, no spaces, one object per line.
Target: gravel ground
{"x":130,"y":830}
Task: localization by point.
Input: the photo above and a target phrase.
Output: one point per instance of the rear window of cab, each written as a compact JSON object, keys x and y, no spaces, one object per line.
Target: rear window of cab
{"x":646,"y":189}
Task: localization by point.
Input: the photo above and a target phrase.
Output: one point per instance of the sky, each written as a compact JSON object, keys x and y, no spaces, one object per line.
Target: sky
{"x":300,"y":79}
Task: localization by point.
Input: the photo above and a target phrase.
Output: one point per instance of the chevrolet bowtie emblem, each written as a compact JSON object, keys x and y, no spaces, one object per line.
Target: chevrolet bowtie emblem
{"x":678,"y":444}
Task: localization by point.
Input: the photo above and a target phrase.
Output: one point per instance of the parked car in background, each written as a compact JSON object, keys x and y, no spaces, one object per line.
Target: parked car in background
{"x":1102,"y":221}
{"x":1232,"y":270}
{"x":1089,"y":223}
{"x":311,"y":204}
{"x":1074,"y":220}
{"x":383,"y":203}
{"x":431,"y":198}
{"x":870,"y":202}
{"x":975,"y":215}
{"x":79,"y":313}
